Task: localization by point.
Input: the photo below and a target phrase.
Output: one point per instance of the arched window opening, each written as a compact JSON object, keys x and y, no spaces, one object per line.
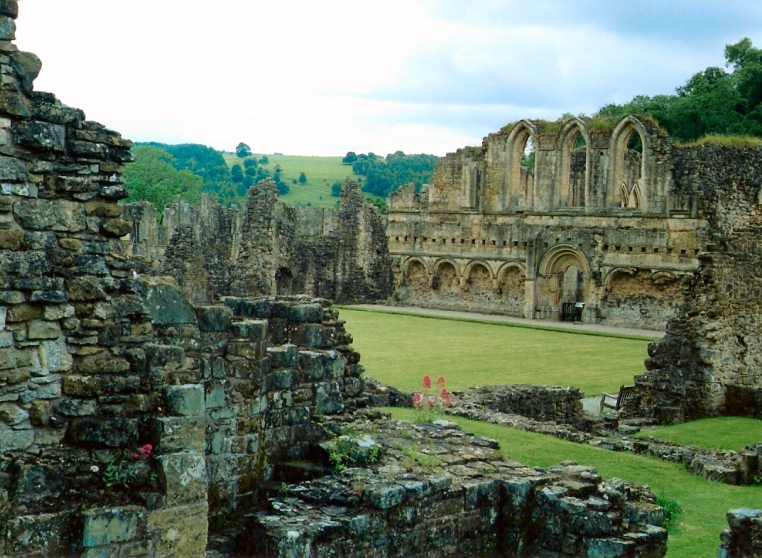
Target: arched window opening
{"x":578,"y":172}
{"x":528,"y":157}
{"x":571,"y":181}
{"x":632,"y":168}
{"x":522,"y":177}
{"x":628,"y":165}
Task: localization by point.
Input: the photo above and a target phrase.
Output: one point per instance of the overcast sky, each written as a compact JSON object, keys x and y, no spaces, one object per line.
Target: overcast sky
{"x":308,"y":77}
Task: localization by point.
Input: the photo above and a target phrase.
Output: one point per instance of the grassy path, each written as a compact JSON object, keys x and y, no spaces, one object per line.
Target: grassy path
{"x":400,"y":349}
{"x":704,"y":503}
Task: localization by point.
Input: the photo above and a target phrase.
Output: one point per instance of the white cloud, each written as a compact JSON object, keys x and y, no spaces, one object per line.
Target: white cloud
{"x":326,"y":77}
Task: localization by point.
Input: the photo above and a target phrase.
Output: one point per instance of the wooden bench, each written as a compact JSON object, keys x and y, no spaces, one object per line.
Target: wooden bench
{"x":611,"y":401}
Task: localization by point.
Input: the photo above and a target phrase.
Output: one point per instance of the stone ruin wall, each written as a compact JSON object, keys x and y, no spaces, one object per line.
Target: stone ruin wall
{"x":599,"y":225}
{"x":710,"y":361}
{"x":266,"y":249}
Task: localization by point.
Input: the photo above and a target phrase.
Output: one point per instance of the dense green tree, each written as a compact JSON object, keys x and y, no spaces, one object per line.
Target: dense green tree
{"x":714,"y":101}
{"x":263,"y":160}
{"x":242,"y":150}
{"x":201,"y":160}
{"x":336,"y":189}
{"x":249,"y":162}
{"x":236,"y":173}
{"x":302,"y":178}
{"x":350,"y":158}
{"x":384,"y":176}
{"x":153,"y":178}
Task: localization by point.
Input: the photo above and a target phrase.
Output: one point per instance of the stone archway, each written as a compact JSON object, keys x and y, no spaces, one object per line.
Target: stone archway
{"x":511,"y":288}
{"x":563,"y":284}
{"x":417,"y":277}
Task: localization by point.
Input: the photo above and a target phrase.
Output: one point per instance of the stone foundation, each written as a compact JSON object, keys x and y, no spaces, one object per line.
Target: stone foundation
{"x":434,"y":490}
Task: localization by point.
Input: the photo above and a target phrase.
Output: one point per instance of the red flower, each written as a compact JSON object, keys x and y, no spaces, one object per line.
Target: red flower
{"x":446,"y":401}
{"x":431,"y":401}
{"x":441,"y":383}
{"x":418,"y":400}
{"x":426,"y":382}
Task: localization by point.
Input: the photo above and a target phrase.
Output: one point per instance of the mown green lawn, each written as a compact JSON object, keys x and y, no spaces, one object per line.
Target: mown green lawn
{"x":400,"y":349}
{"x":321,"y":173}
{"x":724,"y":433}
{"x":704,"y":503}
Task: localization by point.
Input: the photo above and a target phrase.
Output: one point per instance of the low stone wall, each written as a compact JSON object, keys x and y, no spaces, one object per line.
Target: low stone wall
{"x":541,"y":403}
{"x":743,"y":538}
{"x":434,"y":490}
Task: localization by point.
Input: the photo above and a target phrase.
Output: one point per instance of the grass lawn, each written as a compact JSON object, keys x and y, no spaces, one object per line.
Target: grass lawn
{"x":726,"y":433}
{"x":321,"y":173}
{"x":400,"y":349}
{"x":704,"y":503}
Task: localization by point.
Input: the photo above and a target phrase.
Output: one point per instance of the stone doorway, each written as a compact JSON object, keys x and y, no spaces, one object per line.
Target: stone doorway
{"x":562,"y":285}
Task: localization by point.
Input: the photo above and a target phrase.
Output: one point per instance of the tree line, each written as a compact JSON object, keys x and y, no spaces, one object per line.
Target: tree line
{"x":385,"y":175}
{"x":715,"y":101}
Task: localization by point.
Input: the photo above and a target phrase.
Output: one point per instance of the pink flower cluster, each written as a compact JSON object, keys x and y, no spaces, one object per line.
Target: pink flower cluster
{"x":144,"y":452}
{"x":432,"y":402}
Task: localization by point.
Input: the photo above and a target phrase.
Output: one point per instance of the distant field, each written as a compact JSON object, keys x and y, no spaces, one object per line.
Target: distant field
{"x":321,"y":173}
{"x":400,"y":349}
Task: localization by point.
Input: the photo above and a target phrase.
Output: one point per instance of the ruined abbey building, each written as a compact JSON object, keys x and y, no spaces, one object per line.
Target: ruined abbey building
{"x":617,"y":226}
{"x":267,"y":248}
{"x":597,"y":229}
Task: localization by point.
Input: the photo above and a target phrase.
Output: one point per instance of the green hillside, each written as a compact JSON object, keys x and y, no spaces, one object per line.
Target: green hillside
{"x":321,"y":173}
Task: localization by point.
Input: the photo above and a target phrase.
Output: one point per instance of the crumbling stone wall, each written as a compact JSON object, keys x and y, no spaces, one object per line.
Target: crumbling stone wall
{"x":83,"y":469}
{"x":433,"y":490}
{"x":541,"y":403}
{"x":270,"y":249}
{"x":709,"y":361}
{"x":527,"y":242}
{"x":744,"y":534}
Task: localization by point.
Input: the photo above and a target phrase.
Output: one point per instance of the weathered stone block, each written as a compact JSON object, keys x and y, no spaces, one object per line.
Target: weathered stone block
{"x":167,"y":305}
{"x":12,"y":414}
{"x":10,"y":240}
{"x":384,"y":497}
{"x":9,"y":8}
{"x":180,"y":531}
{"x":103,"y":209}
{"x":55,"y":356}
{"x":174,"y":434}
{"x":184,"y":476}
{"x":43,"y":533}
{"x":186,"y":400}
{"x":305,"y":313}
{"x":83,"y":289}
{"x":215,"y":395}
{"x":77,"y":407}
{"x":15,"y":440}
{"x":40,"y":135}
{"x":55,"y":215}
{"x":164,"y":356}
{"x":112,"y":525}
{"x":23,"y":313}
{"x":284,"y":356}
{"x":41,"y":329}
{"x":108,"y":432}
{"x":256,"y":330}
{"x":95,"y":386}
{"x":214,"y":318}
{"x":328,"y":399}
{"x":115,"y":227}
